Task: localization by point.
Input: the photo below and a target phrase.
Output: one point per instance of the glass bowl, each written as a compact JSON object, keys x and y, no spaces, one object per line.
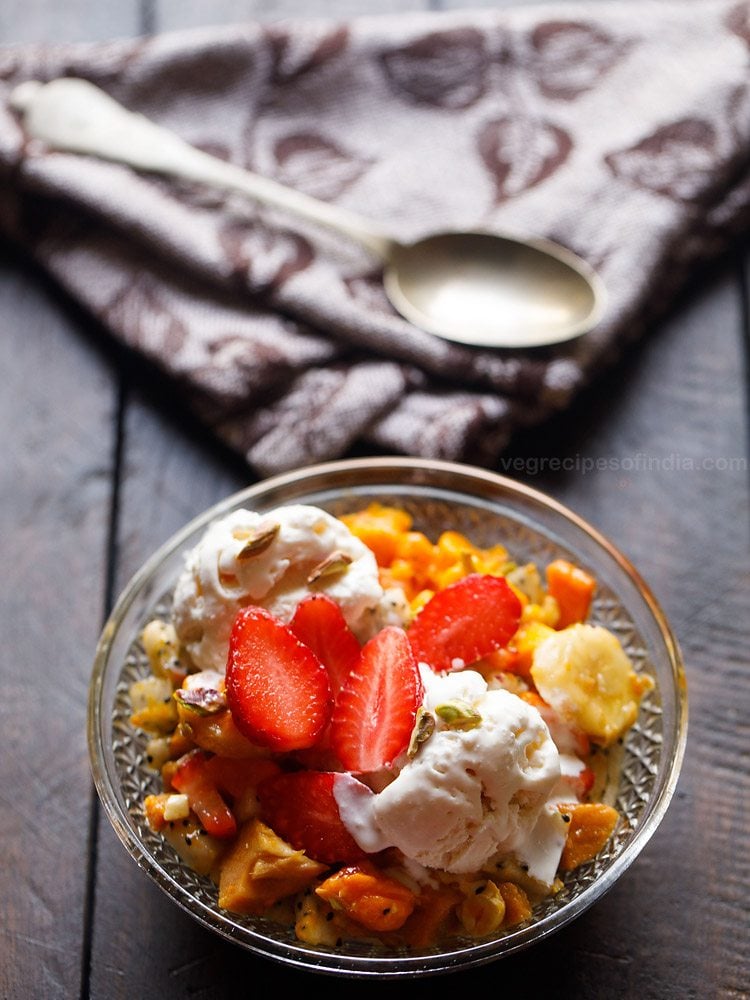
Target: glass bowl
{"x":488,"y":508}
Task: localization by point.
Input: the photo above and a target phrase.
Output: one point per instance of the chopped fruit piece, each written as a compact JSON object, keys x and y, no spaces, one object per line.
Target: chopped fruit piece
{"x":153,"y":707}
{"x":162,"y":649}
{"x":239,"y":780}
{"x":501,"y":661}
{"x":153,"y":806}
{"x":315,"y":921}
{"x":584,"y":673}
{"x":568,"y":738}
{"x":517,"y":905}
{"x":260,"y":869}
{"x":277,"y":688}
{"x":301,"y":808}
{"x":482,"y":910}
{"x":191,"y":775}
{"x":573,"y":589}
{"x":372,"y":899}
{"x":591,"y":824}
{"x":236,"y":778}
{"x":375,"y":711}
{"x":197,"y":849}
{"x":379,"y":528}
{"x":547,"y":612}
{"x":320,"y":624}
{"x":433,"y":908}
{"x":584,"y":782}
{"x":180,"y":742}
{"x":529,"y":635}
{"x":464,"y":622}
{"x":176,"y":807}
{"x":218,"y":734}
{"x":158,"y":752}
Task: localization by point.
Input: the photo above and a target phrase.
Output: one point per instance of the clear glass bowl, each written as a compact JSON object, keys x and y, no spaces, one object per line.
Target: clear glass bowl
{"x":487,"y":508}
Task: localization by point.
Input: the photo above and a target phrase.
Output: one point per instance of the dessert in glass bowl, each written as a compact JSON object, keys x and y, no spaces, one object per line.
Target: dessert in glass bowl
{"x":465,"y":523}
{"x":366,"y":733}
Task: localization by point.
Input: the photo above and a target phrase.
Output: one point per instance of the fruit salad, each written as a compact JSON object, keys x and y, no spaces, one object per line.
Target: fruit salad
{"x":368,"y":734}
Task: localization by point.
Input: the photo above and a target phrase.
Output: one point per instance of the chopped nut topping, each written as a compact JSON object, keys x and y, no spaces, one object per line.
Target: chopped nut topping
{"x":202,"y":701}
{"x":424,"y":727}
{"x":258,"y":541}
{"x":334,"y":563}
{"x":459,"y":715}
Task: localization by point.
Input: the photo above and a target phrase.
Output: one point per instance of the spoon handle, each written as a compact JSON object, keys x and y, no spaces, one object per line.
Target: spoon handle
{"x":75,"y":116}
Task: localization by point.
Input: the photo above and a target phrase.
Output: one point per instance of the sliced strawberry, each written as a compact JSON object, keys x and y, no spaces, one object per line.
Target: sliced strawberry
{"x":466,"y":621}
{"x":277,"y":689}
{"x":236,"y":778}
{"x":193,"y":778}
{"x":375,"y":711}
{"x":301,"y":808}
{"x":320,"y":624}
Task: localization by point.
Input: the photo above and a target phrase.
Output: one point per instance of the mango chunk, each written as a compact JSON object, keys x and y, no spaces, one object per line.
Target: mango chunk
{"x":517,"y":904}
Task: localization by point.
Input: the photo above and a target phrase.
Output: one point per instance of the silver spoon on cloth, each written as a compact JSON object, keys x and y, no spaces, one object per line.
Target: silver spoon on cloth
{"x":475,"y":288}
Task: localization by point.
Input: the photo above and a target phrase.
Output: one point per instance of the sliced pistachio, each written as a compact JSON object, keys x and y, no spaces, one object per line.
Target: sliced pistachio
{"x":202,"y":701}
{"x":424,"y":727}
{"x":458,"y":715}
{"x":258,"y":540}
{"x":334,"y":563}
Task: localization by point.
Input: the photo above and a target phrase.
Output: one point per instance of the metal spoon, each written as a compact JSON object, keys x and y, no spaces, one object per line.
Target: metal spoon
{"x":471,"y":287}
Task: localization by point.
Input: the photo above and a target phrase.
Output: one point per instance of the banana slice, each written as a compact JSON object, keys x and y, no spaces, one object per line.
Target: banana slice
{"x":584,"y":673}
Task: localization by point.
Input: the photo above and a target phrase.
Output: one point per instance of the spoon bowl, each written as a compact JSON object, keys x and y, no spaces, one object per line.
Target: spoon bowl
{"x":493,"y":291}
{"x":479,"y":288}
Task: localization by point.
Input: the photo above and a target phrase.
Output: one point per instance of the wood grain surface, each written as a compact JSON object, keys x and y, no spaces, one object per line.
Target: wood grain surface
{"x":101,"y":465}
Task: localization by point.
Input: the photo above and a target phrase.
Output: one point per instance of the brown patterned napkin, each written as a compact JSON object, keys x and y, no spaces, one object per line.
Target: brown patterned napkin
{"x":620,"y":130}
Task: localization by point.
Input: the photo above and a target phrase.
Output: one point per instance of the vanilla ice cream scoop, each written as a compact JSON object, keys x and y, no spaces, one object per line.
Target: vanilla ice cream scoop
{"x":272,"y":560}
{"x":468,"y":793}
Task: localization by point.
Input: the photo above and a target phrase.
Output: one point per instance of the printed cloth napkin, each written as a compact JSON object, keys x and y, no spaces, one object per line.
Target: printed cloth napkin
{"x":620,"y":130}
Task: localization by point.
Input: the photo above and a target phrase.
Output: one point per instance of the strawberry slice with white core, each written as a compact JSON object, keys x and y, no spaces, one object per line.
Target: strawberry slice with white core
{"x":375,"y":711}
{"x":468,"y":620}
{"x":278,"y":691}
{"x":319,"y":622}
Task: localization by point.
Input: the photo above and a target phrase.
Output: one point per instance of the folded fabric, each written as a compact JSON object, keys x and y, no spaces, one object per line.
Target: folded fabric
{"x":620,"y":130}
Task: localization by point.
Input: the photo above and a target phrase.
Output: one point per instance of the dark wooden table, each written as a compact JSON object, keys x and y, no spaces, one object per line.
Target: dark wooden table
{"x":99,"y":467}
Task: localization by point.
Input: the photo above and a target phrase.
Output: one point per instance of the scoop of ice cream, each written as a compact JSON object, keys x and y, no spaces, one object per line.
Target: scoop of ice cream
{"x":468,"y":793}
{"x":272,"y":560}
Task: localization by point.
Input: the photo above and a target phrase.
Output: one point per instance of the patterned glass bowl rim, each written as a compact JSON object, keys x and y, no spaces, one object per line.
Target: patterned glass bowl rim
{"x":651,"y":765}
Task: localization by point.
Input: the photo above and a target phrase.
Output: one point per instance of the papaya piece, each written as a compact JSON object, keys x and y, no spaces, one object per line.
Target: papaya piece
{"x":573,"y":589}
{"x":369,"y":897}
{"x":379,"y":527}
{"x":591,"y":824}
